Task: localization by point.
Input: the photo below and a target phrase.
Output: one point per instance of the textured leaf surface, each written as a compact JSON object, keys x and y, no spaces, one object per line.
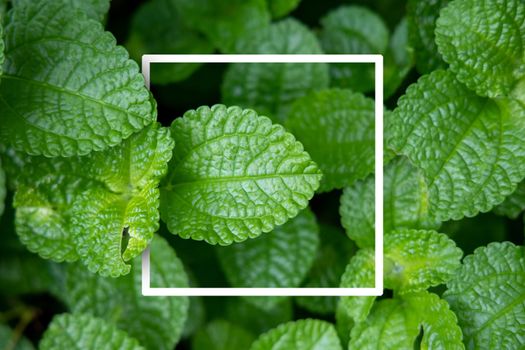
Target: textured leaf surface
{"x":514,"y":204}
{"x":225,"y":22}
{"x":488,"y":296}
{"x":67,"y":89}
{"x":157,"y":27}
{"x":270,"y":89}
{"x":278,"y":259}
{"x":469,"y":148}
{"x":233,"y":176}
{"x":280,"y":8}
{"x":336,"y":128}
{"x":396,"y":323}
{"x":156,"y":322}
{"x":95,"y":9}
{"x":10,"y":341}
{"x":421,"y":17}
{"x":221,"y":335}
{"x":482,"y":40}
{"x":80,"y":331}
{"x":299,"y":335}
{"x":356,"y":30}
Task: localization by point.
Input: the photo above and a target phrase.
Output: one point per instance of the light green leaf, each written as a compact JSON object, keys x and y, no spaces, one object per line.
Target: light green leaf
{"x":355,"y":30}
{"x":156,"y":322}
{"x":397,"y":323}
{"x":10,"y":341}
{"x":222,"y":335}
{"x":514,"y":204}
{"x":487,"y":295}
{"x":482,"y":40}
{"x":67,"y":89}
{"x":270,"y":89}
{"x":357,"y":212}
{"x":477,"y":155}
{"x":299,"y":335}
{"x":157,"y":28}
{"x":95,"y":9}
{"x":337,"y":129}
{"x":84,"y":332}
{"x":225,"y":22}
{"x":280,"y":8}
{"x":233,"y":176}
{"x":421,"y":17}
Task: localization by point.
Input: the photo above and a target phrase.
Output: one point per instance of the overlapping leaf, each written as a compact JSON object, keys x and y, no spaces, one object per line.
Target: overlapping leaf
{"x":220,"y":335}
{"x":514,"y":204}
{"x":233,"y":176}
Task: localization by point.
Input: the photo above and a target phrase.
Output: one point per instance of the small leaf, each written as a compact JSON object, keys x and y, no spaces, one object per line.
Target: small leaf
{"x":396,"y":324}
{"x":270,"y":89}
{"x":233,"y":176}
{"x":84,"y":332}
{"x":336,"y":128}
{"x":222,"y":335}
{"x":469,"y":148}
{"x":280,"y":8}
{"x":95,"y":9}
{"x":487,"y":295}
{"x":156,"y":322}
{"x":482,"y":40}
{"x":67,"y":89}
{"x":299,"y":335}
{"x":514,"y":204}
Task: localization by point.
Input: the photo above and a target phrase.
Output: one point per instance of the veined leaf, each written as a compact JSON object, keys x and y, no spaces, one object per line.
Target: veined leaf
{"x":487,"y":295}
{"x":280,"y":8}
{"x":222,"y":335}
{"x":514,"y":204}
{"x":11,"y":341}
{"x":95,"y":9}
{"x":299,"y":335}
{"x":270,"y":89}
{"x":156,"y":322}
{"x":482,"y":40}
{"x":80,"y":331}
{"x":469,"y":148}
{"x":336,"y":128}
{"x":233,"y":176}
{"x":67,"y":89}
{"x":396,"y":324}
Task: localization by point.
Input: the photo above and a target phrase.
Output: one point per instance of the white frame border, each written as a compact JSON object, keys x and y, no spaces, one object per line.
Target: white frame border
{"x":147,"y":60}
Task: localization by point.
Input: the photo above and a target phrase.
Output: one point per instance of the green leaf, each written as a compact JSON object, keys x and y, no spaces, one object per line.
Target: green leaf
{"x":487,"y":295}
{"x":233,"y":176}
{"x":101,"y":208}
{"x":355,"y":30}
{"x":222,"y":335}
{"x":67,"y":89}
{"x":357,"y":212}
{"x":270,"y":89}
{"x":421,"y":17}
{"x":482,"y":40}
{"x":241,"y":311}
{"x":280,"y":8}
{"x":85,"y":332}
{"x":157,"y":28}
{"x":398,"y":59}
{"x":299,"y":335}
{"x":337,"y":129}
{"x":477,"y":156}
{"x":94,"y":9}
{"x":10,"y":341}
{"x":225,"y":22}
{"x":2,"y":185}
{"x":397,"y":323}
{"x":514,"y":204}
{"x":156,"y":322}
{"x":279,"y":259}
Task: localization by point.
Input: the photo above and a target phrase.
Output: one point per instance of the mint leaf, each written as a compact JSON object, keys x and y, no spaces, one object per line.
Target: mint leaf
{"x":336,"y":128}
{"x":241,"y":310}
{"x":487,"y":294}
{"x":398,"y":59}
{"x":233,"y":176}
{"x":67,"y":89}
{"x":303,"y":334}
{"x":156,"y":322}
{"x":477,"y":155}
{"x":483,"y":43}
{"x":95,"y":9}
{"x":85,"y":332}
{"x":396,"y":324}
{"x":9,"y":340}
{"x":157,"y":27}
{"x":220,"y":335}
{"x":357,"y":212}
{"x":280,"y":8}
{"x":514,"y":204}
{"x":270,"y":89}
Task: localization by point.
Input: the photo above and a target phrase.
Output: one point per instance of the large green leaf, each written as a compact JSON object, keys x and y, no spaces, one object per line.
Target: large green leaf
{"x":156,"y":322}
{"x":299,"y":335}
{"x":222,"y":335}
{"x":469,"y":148}
{"x":270,"y":89}
{"x":482,"y":40}
{"x":95,"y":9}
{"x":336,"y":127}
{"x":233,"y":176}
{"x":488,"y":296}
{"x":397,"y":323}
{"x":84,"y":332}
{"x":67,"y":89}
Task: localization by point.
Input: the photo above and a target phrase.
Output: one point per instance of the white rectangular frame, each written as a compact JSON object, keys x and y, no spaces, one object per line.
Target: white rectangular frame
{"x":377,"y":290}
